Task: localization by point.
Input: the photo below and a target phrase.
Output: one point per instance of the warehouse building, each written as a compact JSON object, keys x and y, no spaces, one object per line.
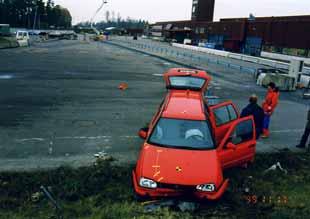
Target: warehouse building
{"x":285,"y":35}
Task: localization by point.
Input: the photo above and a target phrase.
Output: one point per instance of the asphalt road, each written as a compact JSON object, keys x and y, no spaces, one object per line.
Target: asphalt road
{"x":60,"y":103}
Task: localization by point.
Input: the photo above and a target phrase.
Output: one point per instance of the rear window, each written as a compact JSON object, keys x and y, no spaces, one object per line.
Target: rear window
{"x":186,"y":82}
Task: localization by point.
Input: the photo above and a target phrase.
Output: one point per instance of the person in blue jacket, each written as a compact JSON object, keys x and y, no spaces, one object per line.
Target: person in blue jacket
{"x":257,"y":112}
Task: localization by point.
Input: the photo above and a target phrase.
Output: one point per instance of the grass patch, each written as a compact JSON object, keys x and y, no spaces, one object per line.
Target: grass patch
{"x":105,"y":191}
{"x":8,"y":42}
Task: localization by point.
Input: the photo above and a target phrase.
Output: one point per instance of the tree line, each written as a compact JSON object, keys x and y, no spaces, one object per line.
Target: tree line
{"x":115,"y":20}
{"x":34,"y":13}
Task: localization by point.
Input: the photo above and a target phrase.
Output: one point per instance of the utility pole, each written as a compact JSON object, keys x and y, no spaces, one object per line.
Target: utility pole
{"x":35,"y":19}
{"x":39,"y":22}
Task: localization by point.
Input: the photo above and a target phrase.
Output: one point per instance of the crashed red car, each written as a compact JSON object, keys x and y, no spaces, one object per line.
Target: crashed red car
{"x":188,"y":143}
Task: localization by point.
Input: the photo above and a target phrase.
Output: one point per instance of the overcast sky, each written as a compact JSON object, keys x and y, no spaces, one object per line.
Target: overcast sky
{"x":165,"y":10}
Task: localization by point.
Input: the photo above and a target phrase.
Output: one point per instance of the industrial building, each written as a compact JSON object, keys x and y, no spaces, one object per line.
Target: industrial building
{"x":285,"y":35}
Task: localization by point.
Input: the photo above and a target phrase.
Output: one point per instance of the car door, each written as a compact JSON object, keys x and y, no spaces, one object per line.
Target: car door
{"x":239,"y":144}
{"x":222,"y":116}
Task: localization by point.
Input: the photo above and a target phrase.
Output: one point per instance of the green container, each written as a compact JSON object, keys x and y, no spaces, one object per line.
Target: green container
{"x":4,"y":29}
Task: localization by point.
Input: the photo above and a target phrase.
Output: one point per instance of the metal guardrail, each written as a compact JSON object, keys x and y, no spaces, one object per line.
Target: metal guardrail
{"x":174,"y":52}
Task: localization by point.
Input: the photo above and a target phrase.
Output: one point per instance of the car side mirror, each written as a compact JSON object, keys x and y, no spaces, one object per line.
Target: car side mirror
{"x":231,"y":146}
{"x":143,"y":133}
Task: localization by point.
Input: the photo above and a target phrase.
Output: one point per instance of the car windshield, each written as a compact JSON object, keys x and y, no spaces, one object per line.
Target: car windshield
{"x":187,"y":134}
{"x":187,"y":82}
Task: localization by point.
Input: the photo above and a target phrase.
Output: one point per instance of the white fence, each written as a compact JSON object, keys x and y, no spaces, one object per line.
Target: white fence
{"x":282,"y":57}
{"x":257,"y":60}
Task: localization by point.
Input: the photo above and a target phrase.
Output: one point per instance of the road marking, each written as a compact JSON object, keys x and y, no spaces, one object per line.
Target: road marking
{"x":215,"y":83}
{"x":107,"y":137}
{"x":158,"y":75}
{"x":6,"y":77}
{"x":167,"y":63}
{"x":84,"y":137}
{"x":30,"y":139}
{"x":74,"y":138}
{"x":287,"y":131}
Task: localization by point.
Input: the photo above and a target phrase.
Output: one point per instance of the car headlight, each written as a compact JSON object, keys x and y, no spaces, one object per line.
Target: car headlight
{"x":206,"y":187}
{"x":147,"y":183}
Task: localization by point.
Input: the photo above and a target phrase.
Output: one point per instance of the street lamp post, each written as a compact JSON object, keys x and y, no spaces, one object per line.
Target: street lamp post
{"x":98,"y":10}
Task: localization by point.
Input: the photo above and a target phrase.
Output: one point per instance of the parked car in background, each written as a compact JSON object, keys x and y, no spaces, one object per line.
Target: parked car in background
{"x":22,"y":38}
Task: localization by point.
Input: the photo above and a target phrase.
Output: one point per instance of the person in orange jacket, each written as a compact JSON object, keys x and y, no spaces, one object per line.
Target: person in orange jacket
{"x":269,"y":105}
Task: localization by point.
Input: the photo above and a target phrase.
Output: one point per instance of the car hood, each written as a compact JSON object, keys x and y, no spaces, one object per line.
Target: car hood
{"x":179,"y":166}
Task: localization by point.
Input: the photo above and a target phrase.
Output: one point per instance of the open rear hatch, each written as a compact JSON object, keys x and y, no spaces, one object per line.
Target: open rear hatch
{"x":187,"y":79}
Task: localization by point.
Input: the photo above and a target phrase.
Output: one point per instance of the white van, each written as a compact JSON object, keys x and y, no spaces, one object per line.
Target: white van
{"x":22,"y":38}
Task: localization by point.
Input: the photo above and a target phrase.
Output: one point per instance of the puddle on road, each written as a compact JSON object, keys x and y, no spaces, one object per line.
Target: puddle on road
{"x":6,"y":77}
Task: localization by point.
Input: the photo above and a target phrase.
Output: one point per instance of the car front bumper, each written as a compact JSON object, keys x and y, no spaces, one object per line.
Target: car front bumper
{"x":164,"y":192}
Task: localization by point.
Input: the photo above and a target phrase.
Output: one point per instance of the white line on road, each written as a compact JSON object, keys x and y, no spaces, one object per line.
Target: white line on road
{"x":84,"y":137}
{"x":6,"y":77}
{"x":30,"y":139}
{"x":287,"y":131}
{"x":158,"y":75}
{"x":73,"y":138}
{"x":167,"y":63}
{"x":124,"y":136}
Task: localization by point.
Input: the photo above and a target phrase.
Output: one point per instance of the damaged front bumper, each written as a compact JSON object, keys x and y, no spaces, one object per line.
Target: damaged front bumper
{"x":168,"y":192}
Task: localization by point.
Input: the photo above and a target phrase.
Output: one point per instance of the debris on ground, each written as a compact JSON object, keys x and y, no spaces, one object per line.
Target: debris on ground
{"x":123,"y":86}
{"x":183,"y":206}
{"x":3,"y":183}
{"x":156,"y":205}
{"x":187,"y":206}
{"x":275,"y":167}
{"x":36,"y":197}
{"x":103,"y":156}
{"x":247,"y":185}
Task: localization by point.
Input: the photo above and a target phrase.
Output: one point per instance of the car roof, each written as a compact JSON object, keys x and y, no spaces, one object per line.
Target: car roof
{"x":184,"y":104}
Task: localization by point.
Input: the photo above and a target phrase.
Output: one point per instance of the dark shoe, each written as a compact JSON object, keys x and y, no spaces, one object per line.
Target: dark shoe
{"x":300,"y":146}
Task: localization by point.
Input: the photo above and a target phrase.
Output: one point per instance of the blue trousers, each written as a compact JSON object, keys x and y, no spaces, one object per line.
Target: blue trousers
{"x":266,"y":122}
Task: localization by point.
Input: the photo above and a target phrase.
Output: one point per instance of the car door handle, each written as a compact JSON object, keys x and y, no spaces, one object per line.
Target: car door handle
{"x":252,"y":146}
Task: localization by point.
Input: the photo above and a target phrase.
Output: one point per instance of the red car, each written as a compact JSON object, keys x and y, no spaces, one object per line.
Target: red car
{"x":188,"y":143}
